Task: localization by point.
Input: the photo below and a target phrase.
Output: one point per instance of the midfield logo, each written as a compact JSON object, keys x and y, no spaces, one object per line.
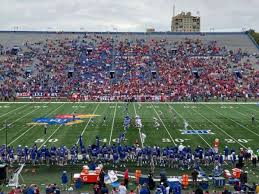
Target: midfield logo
{"x":66,"y":119}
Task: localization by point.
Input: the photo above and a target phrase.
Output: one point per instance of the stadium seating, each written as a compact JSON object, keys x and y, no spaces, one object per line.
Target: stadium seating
{"x":118,"y":66}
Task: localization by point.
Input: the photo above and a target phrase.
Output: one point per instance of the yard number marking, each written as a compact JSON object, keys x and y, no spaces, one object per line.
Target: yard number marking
{"x":178,"y":140}
{"x":50,"y":140}
{"x":239,"y":140}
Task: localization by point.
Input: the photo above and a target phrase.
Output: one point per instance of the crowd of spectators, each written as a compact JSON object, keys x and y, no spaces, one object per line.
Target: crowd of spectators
{"x":108,"y":68}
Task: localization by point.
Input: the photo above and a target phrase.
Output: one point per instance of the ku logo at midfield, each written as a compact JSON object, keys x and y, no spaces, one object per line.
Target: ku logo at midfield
{"x":65,"y":119}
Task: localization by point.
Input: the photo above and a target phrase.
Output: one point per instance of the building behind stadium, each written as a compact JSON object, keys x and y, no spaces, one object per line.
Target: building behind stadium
{"x":185,"y":22}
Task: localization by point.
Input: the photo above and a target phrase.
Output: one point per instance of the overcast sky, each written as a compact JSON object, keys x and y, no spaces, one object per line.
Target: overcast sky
{"x":125,"y":15}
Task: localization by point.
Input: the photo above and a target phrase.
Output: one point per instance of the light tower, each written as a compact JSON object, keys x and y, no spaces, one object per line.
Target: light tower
{"x":174,"y":10}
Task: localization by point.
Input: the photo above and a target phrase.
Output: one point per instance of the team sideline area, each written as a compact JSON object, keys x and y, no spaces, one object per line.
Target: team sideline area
{"x":151,"y":136}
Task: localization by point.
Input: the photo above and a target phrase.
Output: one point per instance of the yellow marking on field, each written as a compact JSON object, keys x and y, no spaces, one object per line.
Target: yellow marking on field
{"x":86,"y":116}
{"x":74,"y":122}
{"x":39,"y":124}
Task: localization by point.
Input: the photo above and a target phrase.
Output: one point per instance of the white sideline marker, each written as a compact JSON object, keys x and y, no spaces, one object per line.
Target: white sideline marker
{"x":88,"y":123}
{"x":113,"y":120}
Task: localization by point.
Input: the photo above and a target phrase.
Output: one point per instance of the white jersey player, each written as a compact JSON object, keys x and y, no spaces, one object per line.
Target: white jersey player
{"x":156,"y":123}
{"x":185,"y":124}
{"x":138,"y":122}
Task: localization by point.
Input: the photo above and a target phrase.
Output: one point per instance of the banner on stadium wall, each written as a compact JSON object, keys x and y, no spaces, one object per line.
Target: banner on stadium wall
{"x":37,"y":94}
{"x":24,"y":94}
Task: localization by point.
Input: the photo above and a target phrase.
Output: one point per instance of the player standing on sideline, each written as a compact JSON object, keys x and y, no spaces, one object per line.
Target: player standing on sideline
{"x":253,"y":118}
{"x":45,"y":129}
{"x":126,"y":107}
{"x":126,"y":122}
{"x":104,"y":121}
{"x":139,"y":105}
{"x":92,"y":121}
{"x":74,"y":116}
{"x":170,"y":109}
{"x":185,"y":124}
{"x":156,"y":123}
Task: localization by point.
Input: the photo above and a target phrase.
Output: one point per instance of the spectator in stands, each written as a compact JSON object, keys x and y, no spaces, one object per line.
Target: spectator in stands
{"x":146,"y":69}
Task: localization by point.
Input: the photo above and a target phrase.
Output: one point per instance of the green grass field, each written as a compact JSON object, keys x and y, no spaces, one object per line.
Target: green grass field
{"x":230,"y":122}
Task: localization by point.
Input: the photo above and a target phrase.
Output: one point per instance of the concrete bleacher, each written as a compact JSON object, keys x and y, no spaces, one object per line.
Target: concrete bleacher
{"x":232,"y":41}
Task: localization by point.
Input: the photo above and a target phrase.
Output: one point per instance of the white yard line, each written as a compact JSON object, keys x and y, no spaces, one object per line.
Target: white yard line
{"x":20,"y":118}
{"x":164,"y":126}
{"x":33,"y":126}
{"x":88,"y":123}
{"x":219,"y":128}
{"x":113,"y":120}
{"x":251,"y":109}
{"x":233,"y":121}
{"x":190,"y":126}
{"x":13,"y":110}
{"x":139,"y":130}
{"x":243,"y":114}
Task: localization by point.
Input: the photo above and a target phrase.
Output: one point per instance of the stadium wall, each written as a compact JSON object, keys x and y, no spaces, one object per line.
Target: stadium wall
{"x":134,"y":33}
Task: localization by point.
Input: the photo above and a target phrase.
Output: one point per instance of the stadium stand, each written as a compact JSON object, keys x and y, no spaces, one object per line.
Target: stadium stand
{"x":118,"y":66}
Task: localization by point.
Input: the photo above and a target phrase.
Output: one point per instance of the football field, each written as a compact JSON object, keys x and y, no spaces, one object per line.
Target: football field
{"x":230,"y":122}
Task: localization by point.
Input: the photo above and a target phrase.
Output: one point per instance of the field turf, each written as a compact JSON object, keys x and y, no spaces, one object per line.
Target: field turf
{"x":230,"y":122}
